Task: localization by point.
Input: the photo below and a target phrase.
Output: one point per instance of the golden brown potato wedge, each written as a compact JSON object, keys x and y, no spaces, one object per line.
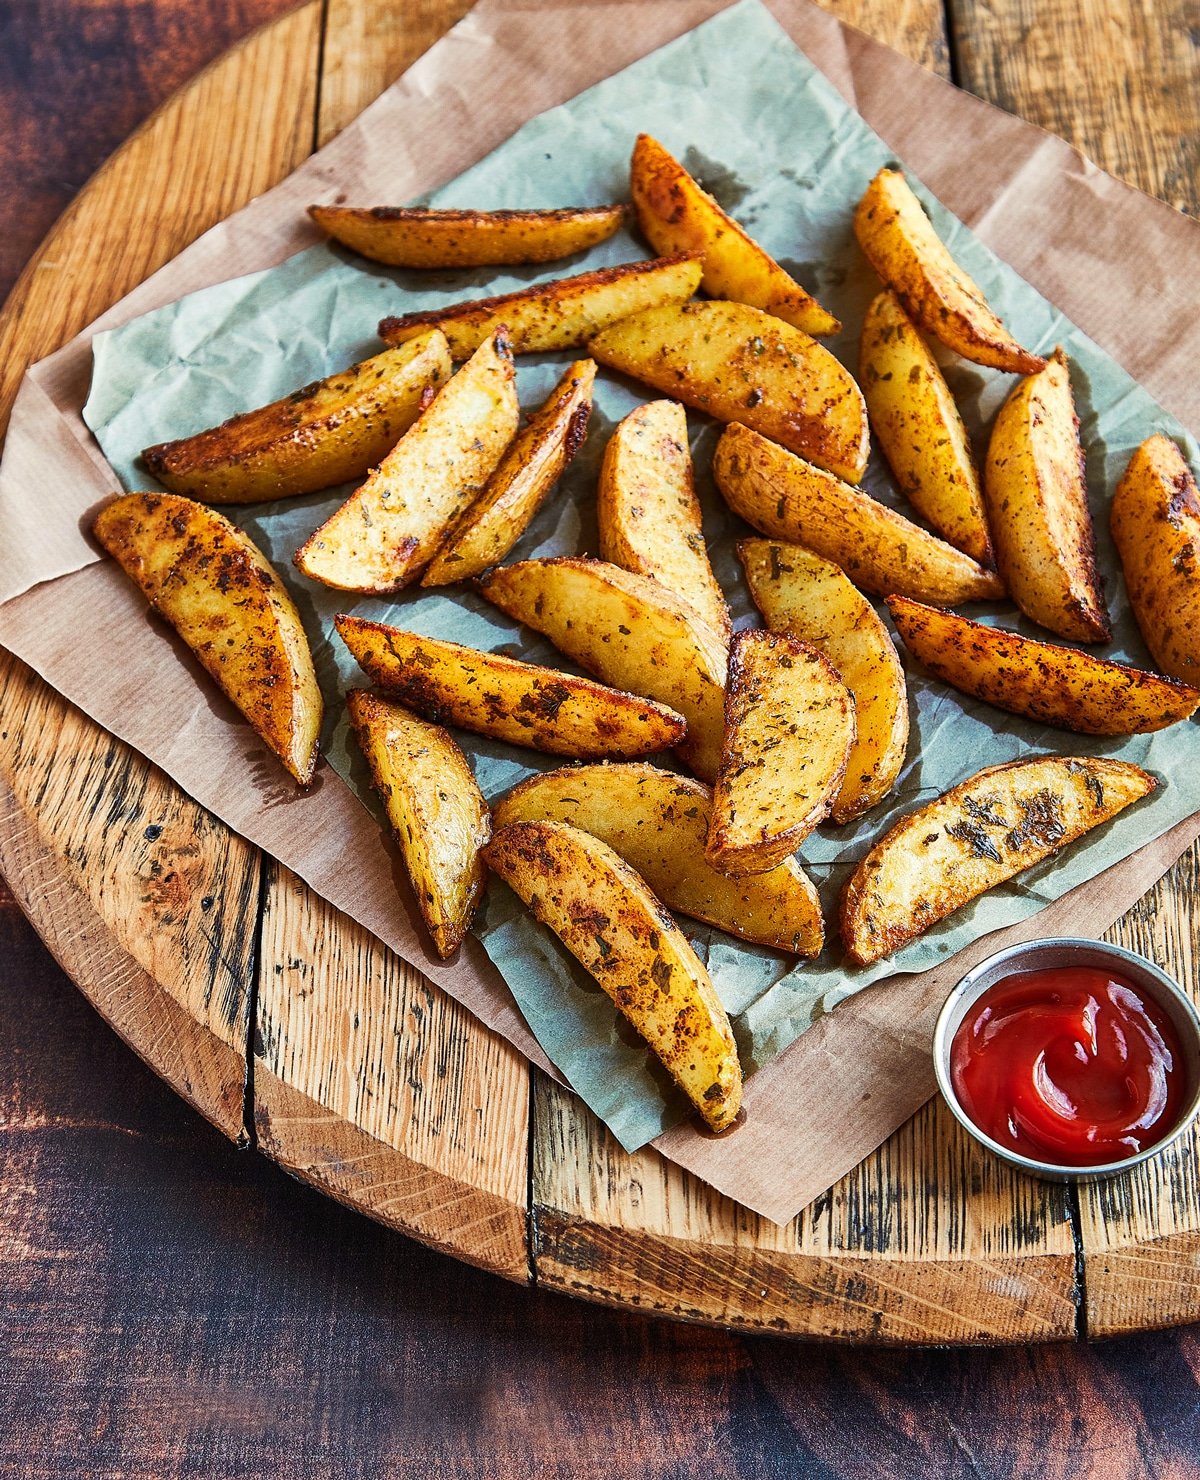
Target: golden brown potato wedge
{"x":977,"y":835}
{"x":534,"y":462}
{"x":800,"y":593}
{"x":658,"y":823}
{"x":417,"y":236}
{"x":741,"y":364}
{"x":789,"y":499}
{"x":436,"y":810}
{"x":325,"y":434}
{"x":630,"y":632}
{"x":611,"y":923}
{"x":1056,"y":685}
{"x":676,"y":215}
{"x":917,"y":425}
{"x":648,"y":512}
{"x":213,"y":585}
{"x":1156,"y":529}
{"x":1038,"y":508}
{"x":557,"y":315}
{"x":388,"y":530}
{"x":899,"y":242}
{"x":789,"y":730}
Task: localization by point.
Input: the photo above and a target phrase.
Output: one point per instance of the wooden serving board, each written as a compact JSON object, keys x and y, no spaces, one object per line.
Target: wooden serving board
{"x":293,"y":1030}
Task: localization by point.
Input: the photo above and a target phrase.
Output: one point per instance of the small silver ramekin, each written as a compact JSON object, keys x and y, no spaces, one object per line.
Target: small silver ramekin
{"x":1040,"y":955}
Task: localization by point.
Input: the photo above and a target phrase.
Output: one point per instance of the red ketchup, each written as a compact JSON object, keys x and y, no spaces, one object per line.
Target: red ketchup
{"x":1070,"y":1065}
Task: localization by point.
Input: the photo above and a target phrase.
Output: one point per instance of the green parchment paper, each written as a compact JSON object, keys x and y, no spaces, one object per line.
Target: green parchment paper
{"x":762,"y":129}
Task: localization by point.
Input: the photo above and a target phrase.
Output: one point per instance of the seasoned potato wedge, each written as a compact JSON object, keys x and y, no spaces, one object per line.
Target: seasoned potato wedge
{"x":917,"y":425}
{"x":534,"y":462}
{"x":1038,"y":508}
{"x":388,"y":530}
{"x":800,"y":593}
{"x":1156,"y":529}
{"x":789,"y":499}
{"x":508,"y":699}
{"x":436,"y":810}
{"x":676,"y":215}
{"x":789,"y":730}
{"x":648,"y":512}
{"x":629,"y":631}
{"x":557,"y":315}
{"x":417,"y":236}
{"x":611,"y":923}
{"x":658,"y":823}
{"x":899,"y":242}
{"x":741,"y":364}
{"x":1056,"y":685}
{"x":213,"y":585}
{"x":325,"y":434}
{"x":977,"y":835}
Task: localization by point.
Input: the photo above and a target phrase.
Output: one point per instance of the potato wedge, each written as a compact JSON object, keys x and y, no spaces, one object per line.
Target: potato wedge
{"x":648,"y":512}
{"x":388,"y":530}
{"x":917,"y":425}
{"x":534,"y":462}
{"x":213,"y":585}
{"x":508,"y":699}
{"x":417,"y":236}
{"x":899,"y":242}
{"x":325,"y":434}
{"x":741,"y":364}
{"x":1055,"y":685}
{"x":800,"y":593}
{"x":1156,"y":529}
{"x":630,"y":632}
{"x":611,"y":923}
{"x":557,"y":315}
{"x":676,"y":215}
{"x":436,"y":810}
{"x":789,"y":730}
{"x":789,"y":499}
{"x":977,"y":835}
{"x":1038,"y":508}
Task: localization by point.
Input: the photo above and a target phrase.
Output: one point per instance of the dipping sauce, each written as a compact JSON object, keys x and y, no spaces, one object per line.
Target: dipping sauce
{"x":1070,"y":1065}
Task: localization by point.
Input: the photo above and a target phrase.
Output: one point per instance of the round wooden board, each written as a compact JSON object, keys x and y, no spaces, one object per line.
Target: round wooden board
{"x":288,"y":1026}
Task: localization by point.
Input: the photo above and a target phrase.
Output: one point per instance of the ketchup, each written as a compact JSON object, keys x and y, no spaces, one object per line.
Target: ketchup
{"x":1070,"y":1065}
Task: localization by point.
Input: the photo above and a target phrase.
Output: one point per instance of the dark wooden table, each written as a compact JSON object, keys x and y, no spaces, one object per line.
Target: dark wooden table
{"x":169,"y":1306}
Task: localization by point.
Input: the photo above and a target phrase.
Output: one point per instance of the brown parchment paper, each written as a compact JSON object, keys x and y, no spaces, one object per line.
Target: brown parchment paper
{"x":1115,"y":261}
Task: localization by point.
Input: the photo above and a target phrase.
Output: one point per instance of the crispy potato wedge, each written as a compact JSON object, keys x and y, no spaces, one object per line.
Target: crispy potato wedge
{"x":741,"y":364}
{"x":658,"y":823}
{"x":325,"y":434}
{"x":899,"y":242}
{"x":977,"y":835}
{"x":1155,"y":524}
{"x":508,"y":699}
{"x":676,"y":215}
{"x":800,"y":593}
{"x":630,"y":632}
{"x":388,"y":530}
{"x":527,"y":472}
{"x":213,"y":585}
{"x":611,"y":923}
{"x":436,"y":810}
{"x":557,"y":315}
{"x":648,"y":512}
{"x":417,"y":236}
{"x":789,"y":730}
{"x":789,"y":499}
{"x":1038,"y":507}
{"x":917,"y":425}
{"x":1056,"y":685}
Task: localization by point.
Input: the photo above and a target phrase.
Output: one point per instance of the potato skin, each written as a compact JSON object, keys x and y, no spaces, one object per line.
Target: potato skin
{"x":1155,"y":523}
